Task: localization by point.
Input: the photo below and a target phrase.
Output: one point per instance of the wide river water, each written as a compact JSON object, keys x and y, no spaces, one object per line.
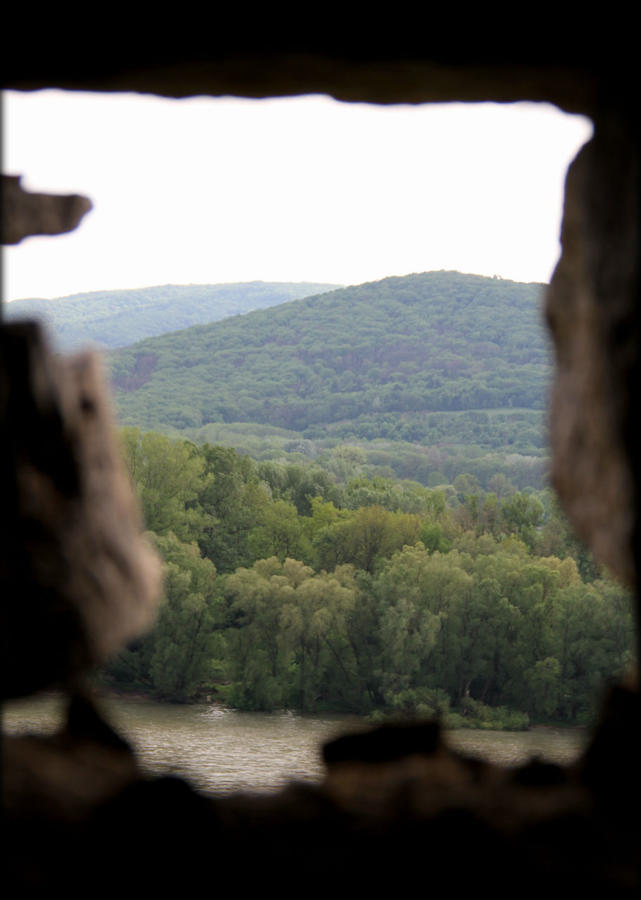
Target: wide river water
{"x":225,"y":750}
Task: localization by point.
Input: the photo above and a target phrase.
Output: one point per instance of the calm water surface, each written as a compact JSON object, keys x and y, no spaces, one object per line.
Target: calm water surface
{"x":225,"y":750}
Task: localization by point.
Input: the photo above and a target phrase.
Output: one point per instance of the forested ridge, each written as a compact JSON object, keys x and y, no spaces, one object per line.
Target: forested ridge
{"x":117,"y":318}
{"x":440,"y":341}
{"x":423,"y":372}
{"x":383,"y":543}
{"x":288,"y":585}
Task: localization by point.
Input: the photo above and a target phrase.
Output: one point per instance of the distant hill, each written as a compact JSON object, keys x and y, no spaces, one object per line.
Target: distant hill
{"x":117,"y":318}
{"x":438,"y":359}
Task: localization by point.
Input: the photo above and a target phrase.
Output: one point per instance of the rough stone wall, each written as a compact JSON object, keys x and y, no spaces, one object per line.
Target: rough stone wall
{"x":24,"y":214}
{"x":593,"y":312}
{"x":77,"y":578}
{"x":396,"y":809}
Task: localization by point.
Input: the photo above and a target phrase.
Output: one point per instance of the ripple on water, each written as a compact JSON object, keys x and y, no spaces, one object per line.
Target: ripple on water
{"x":225,"y":750}
{"x":510,"y":748}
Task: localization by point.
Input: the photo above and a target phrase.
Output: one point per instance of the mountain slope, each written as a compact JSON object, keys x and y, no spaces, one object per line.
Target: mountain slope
{"x":118,"y":318}
{"x":359,"y":361}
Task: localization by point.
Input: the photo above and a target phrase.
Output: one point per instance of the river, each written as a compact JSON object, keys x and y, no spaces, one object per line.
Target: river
{"x":224,"y":750}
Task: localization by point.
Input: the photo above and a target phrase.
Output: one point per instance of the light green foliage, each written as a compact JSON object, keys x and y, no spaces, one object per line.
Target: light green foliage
{"x":314,"y":621}
{"x":346,"y":461}
{"x":169,"y":476}
{"x":287,"y":643}
{"x":299,"y":484}
{"x":500,"y":627}
{"x":380,"y":595}
{"x":474,"y":714}
{"x":521,"y":515}
{"x":279,"y":532}
{"x":368,"y":535}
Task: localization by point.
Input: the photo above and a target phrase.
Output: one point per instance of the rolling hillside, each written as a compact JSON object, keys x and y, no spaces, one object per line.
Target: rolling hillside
{"x":117,"y":318}
{"x":438,"y":359}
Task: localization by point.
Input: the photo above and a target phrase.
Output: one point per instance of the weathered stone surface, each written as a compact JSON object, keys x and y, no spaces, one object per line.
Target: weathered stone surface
{"x":69,"y":773}
{"x":375,"y":64}
{"x":431,"y":820}
{"x":353,"y":80}
{"x":25,"y":214}
{"x":77,"y":578}
{"x":397,"y":809}
{"x":593,"y":313}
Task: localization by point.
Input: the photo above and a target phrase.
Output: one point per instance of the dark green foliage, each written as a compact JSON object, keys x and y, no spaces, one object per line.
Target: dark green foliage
{"x":375,"y":595}
{"x":299,"y":484}
{"x":175,"y":659}
{"x":232,"y":498}
{"x":450,"y":361}
{"x":368,"y":594}
{"x":182,"y":640}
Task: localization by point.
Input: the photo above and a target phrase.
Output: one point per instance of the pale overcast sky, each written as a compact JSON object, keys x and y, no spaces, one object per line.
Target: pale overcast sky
{"x":299,"y":189}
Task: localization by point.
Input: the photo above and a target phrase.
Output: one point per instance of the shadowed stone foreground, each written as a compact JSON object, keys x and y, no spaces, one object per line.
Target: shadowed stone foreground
{"x":23,"y":213}
{"x":77,"y":577}
{"x":397,"y":810}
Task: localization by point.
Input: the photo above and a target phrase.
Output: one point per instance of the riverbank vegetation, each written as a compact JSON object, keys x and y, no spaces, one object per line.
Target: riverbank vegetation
{"x":320,"y":588}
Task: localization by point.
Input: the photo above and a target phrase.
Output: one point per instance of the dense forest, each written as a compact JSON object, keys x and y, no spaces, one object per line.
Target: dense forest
{"x":430,"y":375}
{"x":289,"y":585}
{"x":116,"y":318}
{"x":348,"y":493}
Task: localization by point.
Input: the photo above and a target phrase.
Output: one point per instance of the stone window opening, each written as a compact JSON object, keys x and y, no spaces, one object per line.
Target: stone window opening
{"x":592,"y":308}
